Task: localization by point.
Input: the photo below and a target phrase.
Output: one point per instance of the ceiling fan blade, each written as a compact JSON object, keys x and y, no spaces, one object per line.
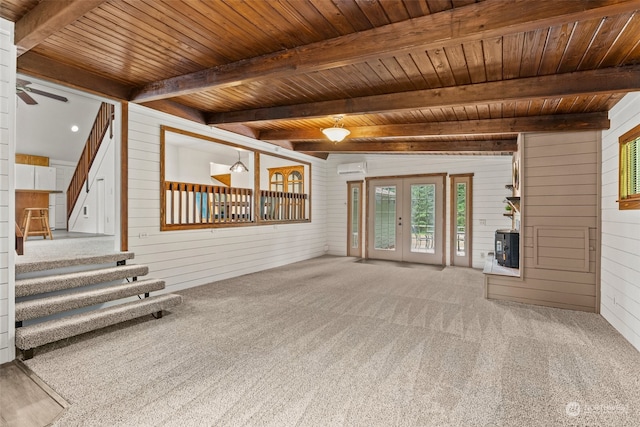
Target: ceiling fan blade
{"x":47,"y":94}
{"x":26,"y":98}
{"x":22,"y":82}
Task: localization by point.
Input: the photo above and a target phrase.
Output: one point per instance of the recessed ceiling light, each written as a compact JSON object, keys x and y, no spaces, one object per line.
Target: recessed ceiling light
{"x":74,"y":128}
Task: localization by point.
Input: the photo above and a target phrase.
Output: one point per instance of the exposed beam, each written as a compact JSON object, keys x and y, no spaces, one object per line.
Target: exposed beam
{"x":606,"y":80}
{"x":500,"y":145}
{"x":40,"y":66}
{"x":176,"y":109}
{"x":490,"y":18}
{"x":284,"y":144}
{"x":240,"y":130}
{"x":319,"y":155}
{"x":560,"y":122}
{"x":48,"y":17}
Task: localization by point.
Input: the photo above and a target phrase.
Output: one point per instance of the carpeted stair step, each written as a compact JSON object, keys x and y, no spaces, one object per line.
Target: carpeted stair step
{"x":40,"y":285}
{"x":75,"y":260}
{"x":47,"y":306}
{"x":29,"y":337}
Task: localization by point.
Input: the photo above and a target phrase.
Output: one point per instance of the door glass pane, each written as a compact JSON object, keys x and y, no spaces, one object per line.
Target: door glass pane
{"x":423,"y":218}
{"x":461,"y":217}
{"x":355,"y":217}
{"x":385,"y":218}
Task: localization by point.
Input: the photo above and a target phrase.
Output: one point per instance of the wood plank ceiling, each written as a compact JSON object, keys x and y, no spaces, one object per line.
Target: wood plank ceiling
{"x":408,"y":75}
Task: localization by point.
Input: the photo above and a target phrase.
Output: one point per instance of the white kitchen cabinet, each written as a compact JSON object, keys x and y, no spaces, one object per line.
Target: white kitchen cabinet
{"x":30,"y":177}
{"x":25,"y":177}
{"x":45,"y":178}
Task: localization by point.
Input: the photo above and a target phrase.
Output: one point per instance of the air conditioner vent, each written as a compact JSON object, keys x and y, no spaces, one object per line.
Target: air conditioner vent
{"x":352,"y":168}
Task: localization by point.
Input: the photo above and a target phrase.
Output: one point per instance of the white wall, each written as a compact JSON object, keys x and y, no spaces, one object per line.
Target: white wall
{"x":64,"y":173}
{"x":491,"y":174}
{"x":44,"y":129}
{"x":103,"y":168}
{"x":189,"y":258}
{"x":620,"y":276}
{"x":7,"y":191}
{"x":186,"y":164}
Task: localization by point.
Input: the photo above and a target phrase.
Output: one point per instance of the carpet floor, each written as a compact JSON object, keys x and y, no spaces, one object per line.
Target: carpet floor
{"x":333,"y":342}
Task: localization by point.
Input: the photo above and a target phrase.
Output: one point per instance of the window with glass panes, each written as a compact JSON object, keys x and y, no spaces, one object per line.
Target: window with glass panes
{"x":629,"y":182}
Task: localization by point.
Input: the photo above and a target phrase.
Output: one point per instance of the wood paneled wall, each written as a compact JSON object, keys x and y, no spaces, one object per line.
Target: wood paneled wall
{"x":188,"y":258}
{"x":620,"y":278}
{"x":7,"y":214}
{"x":491,"y":174}
{"x":561,"y":216}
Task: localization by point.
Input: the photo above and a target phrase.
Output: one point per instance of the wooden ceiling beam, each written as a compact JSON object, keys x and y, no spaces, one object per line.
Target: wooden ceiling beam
{"x":36,"y":65}
{"x":240,"y":130}
{"x":494,"y":146}
{"x":47,"y":18}
{"x":178,"y":110}
{"x":592,"y":82}
{"x":556,"y":123}
{"x":490,"y":18}
{"x":323,"y":156}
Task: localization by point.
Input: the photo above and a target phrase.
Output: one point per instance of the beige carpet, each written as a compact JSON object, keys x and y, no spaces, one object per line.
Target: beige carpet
{"x":331,"y":342}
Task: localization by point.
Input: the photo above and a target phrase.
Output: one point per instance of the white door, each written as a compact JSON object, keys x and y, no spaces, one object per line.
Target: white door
{"x":406,"y":219}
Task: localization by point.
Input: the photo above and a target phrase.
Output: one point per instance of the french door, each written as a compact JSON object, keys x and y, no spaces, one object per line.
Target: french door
{"x":405,"y":219}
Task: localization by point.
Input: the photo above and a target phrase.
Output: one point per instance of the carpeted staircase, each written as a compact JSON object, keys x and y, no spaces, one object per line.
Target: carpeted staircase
{"x":58,"y":299}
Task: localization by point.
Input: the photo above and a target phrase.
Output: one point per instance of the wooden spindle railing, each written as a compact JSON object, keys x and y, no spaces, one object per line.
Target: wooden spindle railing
{"x":281,"y":206}
{"x":188,"y":205}
{"x":103,"y":121}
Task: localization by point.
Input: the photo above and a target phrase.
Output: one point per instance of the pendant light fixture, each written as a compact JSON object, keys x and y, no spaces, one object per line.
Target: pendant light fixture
{"x":336,"y":133}
{"x":238,"y":166}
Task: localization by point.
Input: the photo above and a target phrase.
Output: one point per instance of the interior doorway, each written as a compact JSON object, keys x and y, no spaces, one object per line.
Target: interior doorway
{"x":58,"y":129}
{"x":405,"y":219}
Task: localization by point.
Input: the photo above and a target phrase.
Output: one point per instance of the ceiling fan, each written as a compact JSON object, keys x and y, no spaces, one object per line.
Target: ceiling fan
{"x":23,"y":91}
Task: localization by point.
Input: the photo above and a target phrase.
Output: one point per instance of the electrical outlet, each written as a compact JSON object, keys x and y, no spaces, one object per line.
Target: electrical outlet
{"x":482,"y":255}
{"x":482,"y":221}
{"x":143,"y":235}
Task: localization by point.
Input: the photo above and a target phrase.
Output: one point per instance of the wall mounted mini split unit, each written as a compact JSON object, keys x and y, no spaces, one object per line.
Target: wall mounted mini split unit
{"x":352,"y":168}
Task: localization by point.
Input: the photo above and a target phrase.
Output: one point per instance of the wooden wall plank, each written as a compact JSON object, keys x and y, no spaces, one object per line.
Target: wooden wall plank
{"x":559,"y":277}
{"x":546,"y":303}
{"x":586,"y":301}
{"x":560,"y":214}
{"x":620,"y":230}
{"x":193,"y":257}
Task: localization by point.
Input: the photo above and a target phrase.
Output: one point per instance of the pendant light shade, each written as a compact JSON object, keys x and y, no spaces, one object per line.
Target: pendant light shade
{"x":238,"y":166}
{"x":336,"y":133}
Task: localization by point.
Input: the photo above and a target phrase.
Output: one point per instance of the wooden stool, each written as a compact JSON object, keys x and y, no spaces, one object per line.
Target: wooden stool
{"x":36,"y":214}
